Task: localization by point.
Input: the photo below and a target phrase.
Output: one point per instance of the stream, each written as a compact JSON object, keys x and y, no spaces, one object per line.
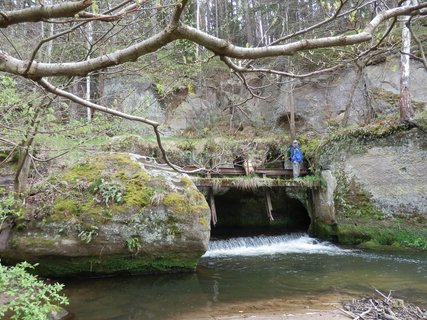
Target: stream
{"x":244,"y":274}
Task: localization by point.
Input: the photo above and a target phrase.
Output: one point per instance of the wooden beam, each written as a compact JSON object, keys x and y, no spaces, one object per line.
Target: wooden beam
{"x":268,"y":205}
{"x":214,"y":217}
{"x":234,"y":183}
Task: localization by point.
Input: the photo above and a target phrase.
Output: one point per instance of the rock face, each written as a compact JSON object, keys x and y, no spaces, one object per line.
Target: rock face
{"x":389,"y":172}
{"x":319,"y":101}
{"x":323,"y":199}
{"x":117,"y":213}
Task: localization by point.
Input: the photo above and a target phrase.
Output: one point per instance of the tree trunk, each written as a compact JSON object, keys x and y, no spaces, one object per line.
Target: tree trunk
{"x":350,"y":99}
{"x":88,"y":77}
{"x":197,"y":24}
{"x":406,"y":109}
{"x":291,"y":104}
{"x":24,"y":160}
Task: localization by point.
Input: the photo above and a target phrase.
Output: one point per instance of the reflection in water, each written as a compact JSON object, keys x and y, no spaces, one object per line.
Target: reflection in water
{"x":251,"y":269}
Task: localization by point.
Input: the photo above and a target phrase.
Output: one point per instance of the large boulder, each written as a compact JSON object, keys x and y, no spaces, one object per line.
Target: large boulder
{"x":388,"y":172}
{"x":117,"y":213}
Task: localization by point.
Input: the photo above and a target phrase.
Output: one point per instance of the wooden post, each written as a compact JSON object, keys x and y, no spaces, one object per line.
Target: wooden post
{"x":268,"y":204}
{"x":213,"y":208}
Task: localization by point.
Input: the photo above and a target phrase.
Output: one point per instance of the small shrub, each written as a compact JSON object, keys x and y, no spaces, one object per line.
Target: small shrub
{"x":88,"y":235}
{"x":133,"y":244}
{"x":26,"y":296}
{"x":8,"y":207}
{"x":110,"y":192}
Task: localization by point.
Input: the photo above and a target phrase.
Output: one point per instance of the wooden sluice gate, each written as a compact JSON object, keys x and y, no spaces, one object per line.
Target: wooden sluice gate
{"x":236,"y":177}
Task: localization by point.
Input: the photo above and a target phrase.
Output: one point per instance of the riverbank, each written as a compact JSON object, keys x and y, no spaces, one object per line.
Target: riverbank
{"x":377,"y":306}
{"x":306,"y":307}
{"x":312,"y":315}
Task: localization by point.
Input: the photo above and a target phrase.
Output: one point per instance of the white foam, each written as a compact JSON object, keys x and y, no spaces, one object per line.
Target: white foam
{"x":269,"y":245}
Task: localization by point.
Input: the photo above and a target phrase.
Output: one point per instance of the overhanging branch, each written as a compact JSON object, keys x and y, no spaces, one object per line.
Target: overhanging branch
{"x":34,"y":14}
{"x":155,"y":125}
{"x":219,"y":46}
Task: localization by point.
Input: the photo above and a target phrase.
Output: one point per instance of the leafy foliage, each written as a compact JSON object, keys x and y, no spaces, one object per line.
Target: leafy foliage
{"x":8,"y":207}
{"x":133,"y":244}
{"x":9,"y":94}
{"x":28,"y":297}
{"x":110,"y":192}
{"x":88,"y":235}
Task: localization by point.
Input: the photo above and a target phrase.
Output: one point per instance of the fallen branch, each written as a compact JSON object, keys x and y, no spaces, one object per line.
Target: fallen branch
{"x":384,"y":308}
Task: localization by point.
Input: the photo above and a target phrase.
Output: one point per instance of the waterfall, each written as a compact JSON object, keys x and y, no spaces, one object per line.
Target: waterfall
{"x":269,"y":245}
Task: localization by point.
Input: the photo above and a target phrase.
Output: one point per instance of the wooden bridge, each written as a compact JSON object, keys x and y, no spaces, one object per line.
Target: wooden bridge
{"x":242,"y":176}
{"x":229,"y":176}
{"x":253,"y":179}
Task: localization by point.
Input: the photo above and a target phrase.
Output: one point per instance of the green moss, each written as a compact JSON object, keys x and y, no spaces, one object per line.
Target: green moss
{"x":137,"y":193}
{"x":83,"y":171}
{"x":204,"y":222}
{"x":137,"y":197}
{"x":352,"y":201}
{"x":131,"y":264}
{"x":176,"y":202}
{"x":63,"y":208}
{"x":89,"y":207}
{"x":352,"y":234}
{"x":192,"y":202}
{"x":367,"y":235}
{"x":186,"y":182}
{"x":81,"y":193}
{"x":121,"y":158}
{"x":421,"y":120}
{"x":324,"y":231}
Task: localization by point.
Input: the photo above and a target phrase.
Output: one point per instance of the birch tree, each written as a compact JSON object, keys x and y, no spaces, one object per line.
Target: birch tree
{"x":406,"y":110}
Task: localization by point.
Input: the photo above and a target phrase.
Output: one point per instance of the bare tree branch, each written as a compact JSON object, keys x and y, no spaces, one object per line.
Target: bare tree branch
{"x":181,"y":31}
{"x":34,"y":14}
{"x":237,"y":68}
{"x":116,"y":17}
{"x":317,"y":25}
{"x":420,"y":47}
{"x":225,"y":48}
{"x":155,"y":125}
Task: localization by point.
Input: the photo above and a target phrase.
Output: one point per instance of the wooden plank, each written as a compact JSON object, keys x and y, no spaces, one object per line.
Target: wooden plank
{"x":234,"y":183}
{"x":268,"y":205}
{"x":240,"y":171}
{"x":214,"y":217}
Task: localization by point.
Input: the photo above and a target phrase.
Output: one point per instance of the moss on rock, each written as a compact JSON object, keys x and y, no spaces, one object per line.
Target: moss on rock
{"x":368,"y":235}
{"x":97,"y":211}
{"x":103,"y":265}
{"x":93,"y":188}
{"x":190,"y":203}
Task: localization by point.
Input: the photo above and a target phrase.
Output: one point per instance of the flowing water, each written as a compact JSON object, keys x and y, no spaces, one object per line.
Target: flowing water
{"x":251,"y":271}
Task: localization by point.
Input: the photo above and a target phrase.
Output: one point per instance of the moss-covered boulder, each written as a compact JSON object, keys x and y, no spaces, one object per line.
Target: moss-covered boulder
{"x":116,"y":213}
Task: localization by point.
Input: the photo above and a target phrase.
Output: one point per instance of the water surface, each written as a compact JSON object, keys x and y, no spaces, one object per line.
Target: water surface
{"x":244,"y":271}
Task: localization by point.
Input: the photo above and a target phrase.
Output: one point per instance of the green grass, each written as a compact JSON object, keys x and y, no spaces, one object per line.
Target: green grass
{"x":366,"y":233}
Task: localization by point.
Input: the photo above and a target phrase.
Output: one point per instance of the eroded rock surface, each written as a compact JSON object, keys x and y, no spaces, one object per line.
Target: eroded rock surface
{"x":116,"y":213}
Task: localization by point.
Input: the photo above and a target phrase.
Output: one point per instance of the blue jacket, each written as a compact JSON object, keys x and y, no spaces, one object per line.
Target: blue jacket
{"x":296,"y":155}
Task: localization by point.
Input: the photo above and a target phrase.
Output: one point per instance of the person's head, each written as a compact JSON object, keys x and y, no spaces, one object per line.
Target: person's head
{"x":295,"y":143}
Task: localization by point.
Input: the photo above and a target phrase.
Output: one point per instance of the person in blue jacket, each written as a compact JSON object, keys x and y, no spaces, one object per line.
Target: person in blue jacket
{"x":296,"y":158}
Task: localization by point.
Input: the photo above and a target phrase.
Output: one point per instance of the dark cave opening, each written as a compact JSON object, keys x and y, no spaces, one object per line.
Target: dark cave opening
{"x":243,"y":213}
